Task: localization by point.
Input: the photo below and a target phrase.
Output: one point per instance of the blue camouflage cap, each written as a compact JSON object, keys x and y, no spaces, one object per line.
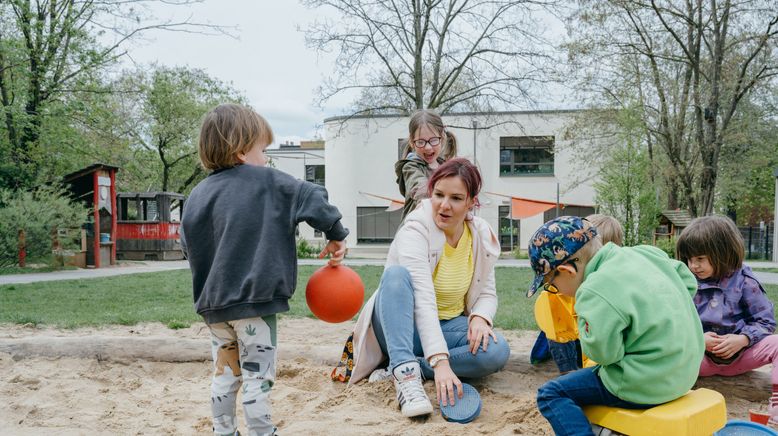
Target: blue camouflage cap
{"x":554,"y":243}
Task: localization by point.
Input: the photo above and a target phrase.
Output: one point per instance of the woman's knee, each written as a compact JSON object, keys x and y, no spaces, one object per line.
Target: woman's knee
{"x":501,"y":351}
{"x":396,"y":278}
{"x":495,"y":357}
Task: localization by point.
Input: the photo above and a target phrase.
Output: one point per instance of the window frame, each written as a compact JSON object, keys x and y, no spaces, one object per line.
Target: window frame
{"x":529,"y":144}
{"x":314,"y":179}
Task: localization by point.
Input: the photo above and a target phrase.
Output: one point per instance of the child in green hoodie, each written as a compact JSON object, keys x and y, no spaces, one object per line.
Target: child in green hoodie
{"x":636,"y":319}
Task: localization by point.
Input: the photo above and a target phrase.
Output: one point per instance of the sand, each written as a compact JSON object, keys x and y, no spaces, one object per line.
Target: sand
{"x":99,"y":394}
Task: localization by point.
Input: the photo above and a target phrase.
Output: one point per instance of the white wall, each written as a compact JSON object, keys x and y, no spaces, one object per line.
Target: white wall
{"x":361,"y":152}
{"x":293,"y":162}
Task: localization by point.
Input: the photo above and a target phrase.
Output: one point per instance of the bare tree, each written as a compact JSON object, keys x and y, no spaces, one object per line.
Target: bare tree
{"x":49,"y":48}
{"x":396,"y":56}
{"x":689,"y":65}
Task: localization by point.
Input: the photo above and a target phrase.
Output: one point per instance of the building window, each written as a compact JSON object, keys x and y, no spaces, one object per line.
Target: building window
{"x":376,"y":225}
{"x":314,"y":174}
{"x":509,"y":230}
{"x":527,"y":156}
{"x":317,"y":233}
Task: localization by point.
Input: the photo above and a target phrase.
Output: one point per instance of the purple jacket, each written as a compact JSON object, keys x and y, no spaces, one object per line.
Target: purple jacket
{"x":735,"y":304}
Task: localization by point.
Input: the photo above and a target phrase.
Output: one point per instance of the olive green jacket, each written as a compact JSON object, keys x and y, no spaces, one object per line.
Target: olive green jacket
{"x":412,"y":176}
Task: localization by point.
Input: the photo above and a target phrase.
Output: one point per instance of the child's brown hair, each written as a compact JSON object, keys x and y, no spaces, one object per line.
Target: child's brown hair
{"x":714,"y":236}
{"x":608,"y":228}
{"x":431,"y":119}
{"x":230,"y":129}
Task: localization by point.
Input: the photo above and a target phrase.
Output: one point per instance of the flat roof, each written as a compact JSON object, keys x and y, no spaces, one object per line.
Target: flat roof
{"x":457,"y":114}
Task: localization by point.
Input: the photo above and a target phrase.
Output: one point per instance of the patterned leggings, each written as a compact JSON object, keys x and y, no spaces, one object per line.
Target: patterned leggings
{"x":244,"y":351}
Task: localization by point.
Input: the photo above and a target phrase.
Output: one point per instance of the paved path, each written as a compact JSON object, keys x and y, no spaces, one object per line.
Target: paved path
{"x":125,"y":268}
{"x":152,"y":266}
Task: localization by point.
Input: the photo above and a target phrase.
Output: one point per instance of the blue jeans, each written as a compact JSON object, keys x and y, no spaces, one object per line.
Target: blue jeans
{"x":560,"y":401}
{"x":393,"y":324}
{"x":566,"y":355}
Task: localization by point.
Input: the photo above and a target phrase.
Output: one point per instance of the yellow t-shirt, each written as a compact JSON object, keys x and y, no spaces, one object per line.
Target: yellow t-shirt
{"x":453,"y":275}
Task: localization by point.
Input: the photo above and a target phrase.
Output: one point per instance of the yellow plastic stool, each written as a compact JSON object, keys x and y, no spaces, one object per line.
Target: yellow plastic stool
{"x":700,"y":412}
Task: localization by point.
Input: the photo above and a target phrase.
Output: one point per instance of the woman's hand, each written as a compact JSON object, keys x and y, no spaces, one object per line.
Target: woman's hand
{"x":445,"y":380}
{"x":729,"y":345}
{"x":336,"y":250}
{"x":478,"y":333}
{"x":711,"y":341}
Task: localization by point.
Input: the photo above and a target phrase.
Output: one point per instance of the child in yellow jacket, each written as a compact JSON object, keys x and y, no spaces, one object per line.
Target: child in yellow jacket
{"x":555,"y":315}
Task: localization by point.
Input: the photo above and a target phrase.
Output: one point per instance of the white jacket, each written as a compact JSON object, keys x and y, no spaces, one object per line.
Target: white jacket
{"x":418,"y":246}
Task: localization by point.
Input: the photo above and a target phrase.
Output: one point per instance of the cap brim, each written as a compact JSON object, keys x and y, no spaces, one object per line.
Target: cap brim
{"x":535,"y":285}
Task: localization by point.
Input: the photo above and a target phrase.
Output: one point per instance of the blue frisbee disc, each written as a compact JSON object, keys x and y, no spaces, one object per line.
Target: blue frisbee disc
{"x":465,"y":409}
{"x":745,"y":428}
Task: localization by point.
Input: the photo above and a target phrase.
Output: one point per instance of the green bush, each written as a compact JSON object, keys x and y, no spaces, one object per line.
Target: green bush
{"x":307,"y":251}
{"x":40,"y":213}
{"x":667,"y":245}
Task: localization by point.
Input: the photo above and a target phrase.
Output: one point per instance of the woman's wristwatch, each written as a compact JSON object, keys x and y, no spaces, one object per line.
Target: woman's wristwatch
{"x":434,"y":360}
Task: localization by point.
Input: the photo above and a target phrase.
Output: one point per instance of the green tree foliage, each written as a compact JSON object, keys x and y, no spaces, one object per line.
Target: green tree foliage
{"x":623,"y":188}
{"x":689,"y":66}
{"x":51,"y":51}
{"x":40,"y":213}
{"x":746,"y":187}
{"x":159,"y":120}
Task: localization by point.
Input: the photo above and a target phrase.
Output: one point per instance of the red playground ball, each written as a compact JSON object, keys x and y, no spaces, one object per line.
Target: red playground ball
{"x":334,"y":293}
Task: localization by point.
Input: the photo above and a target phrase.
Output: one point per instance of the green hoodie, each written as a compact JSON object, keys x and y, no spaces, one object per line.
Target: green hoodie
{"x":636,"y":319}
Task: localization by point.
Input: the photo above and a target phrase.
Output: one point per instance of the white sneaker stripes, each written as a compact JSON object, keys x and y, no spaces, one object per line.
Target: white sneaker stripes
{"x":410,"y":391}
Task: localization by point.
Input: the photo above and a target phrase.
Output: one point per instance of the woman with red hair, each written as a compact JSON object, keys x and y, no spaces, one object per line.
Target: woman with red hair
{"x":432,"y":314}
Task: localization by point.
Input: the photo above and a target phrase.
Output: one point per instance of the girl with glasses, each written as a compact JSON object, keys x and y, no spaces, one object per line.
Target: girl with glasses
{"x":429,"y":145}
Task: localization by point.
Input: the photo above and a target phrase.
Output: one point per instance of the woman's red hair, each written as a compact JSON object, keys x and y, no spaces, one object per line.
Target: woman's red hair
{"x":462,"y":168}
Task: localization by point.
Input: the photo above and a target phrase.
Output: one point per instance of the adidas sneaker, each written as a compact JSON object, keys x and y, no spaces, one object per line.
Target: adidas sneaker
{"x":410,"y":391}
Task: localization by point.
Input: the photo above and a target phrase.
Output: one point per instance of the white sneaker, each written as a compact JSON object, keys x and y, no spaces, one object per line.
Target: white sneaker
{"x":379,"y":374}
{"x":410,"y":391}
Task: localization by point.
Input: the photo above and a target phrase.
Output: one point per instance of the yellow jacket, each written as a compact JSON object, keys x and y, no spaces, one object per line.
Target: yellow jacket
{"x":555,"y":315}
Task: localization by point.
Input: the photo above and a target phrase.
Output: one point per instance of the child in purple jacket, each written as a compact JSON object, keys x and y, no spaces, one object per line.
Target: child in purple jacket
{"x":737,"y":317}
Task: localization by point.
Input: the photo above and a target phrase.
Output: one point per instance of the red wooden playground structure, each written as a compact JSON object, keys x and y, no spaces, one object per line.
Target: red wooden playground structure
{"x":148,"y":224}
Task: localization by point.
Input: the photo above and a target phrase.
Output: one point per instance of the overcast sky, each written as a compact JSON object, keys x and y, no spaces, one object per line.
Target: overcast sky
{"x":269,"y":62}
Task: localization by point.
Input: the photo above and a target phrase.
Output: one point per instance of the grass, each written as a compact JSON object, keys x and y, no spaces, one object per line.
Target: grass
{"x":772,"y":270}
{"x":166,"y":297}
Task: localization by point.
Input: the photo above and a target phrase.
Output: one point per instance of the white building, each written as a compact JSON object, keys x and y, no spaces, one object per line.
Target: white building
{"x":304,"y":161}
{"x":520,"y":154}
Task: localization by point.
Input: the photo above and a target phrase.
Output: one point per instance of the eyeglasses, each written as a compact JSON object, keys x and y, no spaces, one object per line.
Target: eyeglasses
{"x":433,"y":142}
{"x":549,"y":286}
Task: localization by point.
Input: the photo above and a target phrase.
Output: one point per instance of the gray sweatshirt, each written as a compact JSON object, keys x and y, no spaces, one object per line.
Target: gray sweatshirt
{"x":238,"y":232}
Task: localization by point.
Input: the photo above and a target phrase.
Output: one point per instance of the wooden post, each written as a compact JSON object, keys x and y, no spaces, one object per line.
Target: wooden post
{"x":56,"y":249}
{"x":114,"y":216}
{"x":22,"y":248}
{"x":96,"y":214}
